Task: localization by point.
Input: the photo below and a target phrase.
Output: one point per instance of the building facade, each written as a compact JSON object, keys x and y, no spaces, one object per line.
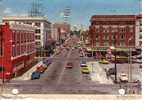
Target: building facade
{"x":17,"y":48}
{"x":60,"y":31}
{"x":43,"y":27}
{"x":120,"y":31}
{"x":139,"y":27}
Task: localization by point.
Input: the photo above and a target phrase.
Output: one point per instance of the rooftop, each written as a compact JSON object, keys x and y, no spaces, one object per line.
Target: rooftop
{"x":24,"y":18}
{"x":113,"y":18}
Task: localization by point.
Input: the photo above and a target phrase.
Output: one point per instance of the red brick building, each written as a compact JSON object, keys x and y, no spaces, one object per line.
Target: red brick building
{"x":17,"y":48}
{"x":113,"y":30}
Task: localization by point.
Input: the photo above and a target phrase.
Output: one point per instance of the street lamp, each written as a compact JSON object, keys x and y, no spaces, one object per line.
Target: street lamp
{"x":115,"y":67}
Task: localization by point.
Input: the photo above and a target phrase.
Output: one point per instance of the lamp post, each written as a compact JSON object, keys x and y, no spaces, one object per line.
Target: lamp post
{"x":115,"y":66}
{"x":130,"y":65}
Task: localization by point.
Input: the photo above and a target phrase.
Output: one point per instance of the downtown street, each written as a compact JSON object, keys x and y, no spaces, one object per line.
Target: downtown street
{"x":58,"y":79}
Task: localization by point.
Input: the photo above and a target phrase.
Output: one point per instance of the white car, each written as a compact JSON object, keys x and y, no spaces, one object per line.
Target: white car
{"x":123,"y":77}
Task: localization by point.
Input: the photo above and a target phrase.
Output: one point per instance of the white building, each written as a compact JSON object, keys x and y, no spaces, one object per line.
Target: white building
{"x":43,"y":27}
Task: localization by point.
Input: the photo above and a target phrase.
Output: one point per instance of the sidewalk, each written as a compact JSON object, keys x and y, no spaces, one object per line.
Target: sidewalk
{"x":27,"y":75}
{"x":98,"y":74}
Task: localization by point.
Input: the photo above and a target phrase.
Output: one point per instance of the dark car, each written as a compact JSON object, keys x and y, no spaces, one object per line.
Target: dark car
{"x":35,"y":75}
{"x":111,"y":71}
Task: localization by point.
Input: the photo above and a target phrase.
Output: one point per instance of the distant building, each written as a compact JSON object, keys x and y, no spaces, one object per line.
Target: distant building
{"x":121,"y":31}
{"x":17,"y":49}
{"x":60,"y":31}
{"x":139,"y":25}
{"x":43,"y":30}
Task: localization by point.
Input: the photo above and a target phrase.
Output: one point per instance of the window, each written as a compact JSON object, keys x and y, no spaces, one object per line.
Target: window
{"x":2,"y":69}
{"x":37,"y":24}
{"x":38,"y":43}
{"x":97,"y":43}
{"x":122,"y":36}
{"x":37,"y":31}
{"x":106,"y":43}
{"x":97,"y":37}
{"x":30,"y":23}
{"x":18,"y":37}
{"x":14,"y":51}
{"x":37,"y":37}
{"x":1,"y":44}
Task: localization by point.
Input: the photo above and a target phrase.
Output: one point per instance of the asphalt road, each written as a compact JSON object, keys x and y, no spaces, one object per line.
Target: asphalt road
{"x":58,"y":79}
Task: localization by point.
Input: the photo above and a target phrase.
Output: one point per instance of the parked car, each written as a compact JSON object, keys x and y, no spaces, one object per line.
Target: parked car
{"x":35,"y":75}
{"x":69,"y":65}
{"x":83,"y":63}
{"x":123,"y":77}
{"x":41,"y":68}
{"x":85,"y":70}
{"x":111,"y":71}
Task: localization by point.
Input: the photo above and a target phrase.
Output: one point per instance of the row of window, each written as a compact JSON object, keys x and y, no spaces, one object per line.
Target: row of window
{"x":20,"y":37}
{"x":21,"y":49}
{"x":121,"y":37}
{"x":120,"y":30}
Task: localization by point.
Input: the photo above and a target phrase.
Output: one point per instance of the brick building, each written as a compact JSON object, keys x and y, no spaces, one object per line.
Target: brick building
{"x":120,"y":31}
{"x":17,"y":48}
{"x":42,"y":31}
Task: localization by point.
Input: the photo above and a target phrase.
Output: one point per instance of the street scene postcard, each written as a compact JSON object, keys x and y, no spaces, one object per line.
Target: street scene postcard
{"x":83,"y":47}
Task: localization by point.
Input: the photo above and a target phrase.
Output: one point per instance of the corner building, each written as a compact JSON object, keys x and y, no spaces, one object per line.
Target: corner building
{"x":119,"y":31}
{"x":17,"y":49}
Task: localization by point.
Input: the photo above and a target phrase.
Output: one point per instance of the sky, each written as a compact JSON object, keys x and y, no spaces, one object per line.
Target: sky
{"x":81,"y":10}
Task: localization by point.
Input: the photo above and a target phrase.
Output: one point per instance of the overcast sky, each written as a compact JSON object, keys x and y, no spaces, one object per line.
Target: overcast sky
{"x":81,"y":10}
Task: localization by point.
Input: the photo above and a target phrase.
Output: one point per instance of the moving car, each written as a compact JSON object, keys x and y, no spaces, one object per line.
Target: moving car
{"x":35,"y":75}
{"x":83,"y":64}
{"x":85,"y":70}
{"x":104,"y":61}
{"x":123,"y":77}
{"x":69,"y":65}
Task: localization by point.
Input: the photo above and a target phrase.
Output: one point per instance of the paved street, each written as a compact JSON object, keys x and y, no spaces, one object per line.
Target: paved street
{"x":58,"y":79}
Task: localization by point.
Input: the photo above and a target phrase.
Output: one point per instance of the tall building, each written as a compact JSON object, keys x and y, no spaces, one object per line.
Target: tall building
{"x":43,"y":27}
{"x":17,"y":49}
{"x":60,"y":31}
{"x":120,"y":31}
